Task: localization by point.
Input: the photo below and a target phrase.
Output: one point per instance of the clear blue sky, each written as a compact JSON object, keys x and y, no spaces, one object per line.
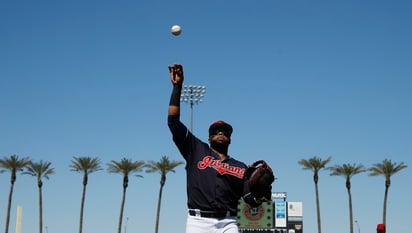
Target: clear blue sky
{"x":296,"y":79}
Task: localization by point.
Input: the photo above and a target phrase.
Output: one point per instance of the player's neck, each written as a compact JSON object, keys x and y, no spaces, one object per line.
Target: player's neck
{"x":222,"y":154}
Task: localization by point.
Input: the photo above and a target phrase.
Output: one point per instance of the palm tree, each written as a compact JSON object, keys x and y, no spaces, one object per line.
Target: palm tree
{"x":124,"y":167}
{"x":347,"y":171}
{"x":13,"y":164}
{"x":40,"y":170}
{"x":85,"y":165}
{"x":315,"y":164}
{"x":163,"y":166}
{"x":387,"y":169}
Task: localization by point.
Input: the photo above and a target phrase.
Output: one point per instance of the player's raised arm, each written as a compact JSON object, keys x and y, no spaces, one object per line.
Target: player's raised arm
{"x":177,"y":128}
{"x":176,"y":77}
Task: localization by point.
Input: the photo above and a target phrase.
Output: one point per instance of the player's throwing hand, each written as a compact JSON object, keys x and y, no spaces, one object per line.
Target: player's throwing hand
{"x":176,"y":74}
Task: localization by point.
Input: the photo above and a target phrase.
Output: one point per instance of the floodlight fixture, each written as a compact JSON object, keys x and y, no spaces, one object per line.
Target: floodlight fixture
{"x":192,"y":94}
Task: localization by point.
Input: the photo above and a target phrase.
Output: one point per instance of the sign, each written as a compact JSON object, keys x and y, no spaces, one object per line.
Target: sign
{"x":295,"y":211}
{"x":279,"y":195}
{"x":260,"y":217}
{"x":280,"y":214}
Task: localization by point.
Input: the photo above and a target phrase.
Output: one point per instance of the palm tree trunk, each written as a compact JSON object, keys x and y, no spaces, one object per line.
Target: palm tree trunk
{"x":384,"y":204}
{"x":318,"y":206}
{"x":40,"y":210}
{"x":350,"y":211}
{"x":119,"y":228}
{"x":9,"y":207}
{"x":81,"y":208}
{"x":159,"y":201}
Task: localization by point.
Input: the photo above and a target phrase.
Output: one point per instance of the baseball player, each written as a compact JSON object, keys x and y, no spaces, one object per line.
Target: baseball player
{"x":215,"y":180}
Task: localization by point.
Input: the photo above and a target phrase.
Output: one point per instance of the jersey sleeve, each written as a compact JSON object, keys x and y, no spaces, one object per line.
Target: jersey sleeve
{"x":180,"y":134}
{"x":177,"y":128}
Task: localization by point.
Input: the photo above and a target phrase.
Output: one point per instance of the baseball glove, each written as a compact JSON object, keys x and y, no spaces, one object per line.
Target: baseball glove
{"x":260,"y":177}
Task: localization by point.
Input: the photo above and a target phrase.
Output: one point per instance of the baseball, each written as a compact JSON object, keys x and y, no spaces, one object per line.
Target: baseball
{"x":176,"y":30}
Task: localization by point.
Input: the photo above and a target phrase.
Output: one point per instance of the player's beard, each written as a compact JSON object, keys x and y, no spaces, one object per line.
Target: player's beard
{"x":221,"y":147}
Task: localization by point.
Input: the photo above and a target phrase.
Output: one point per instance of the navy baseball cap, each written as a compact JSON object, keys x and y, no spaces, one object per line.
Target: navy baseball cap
{"x":220,"y":125}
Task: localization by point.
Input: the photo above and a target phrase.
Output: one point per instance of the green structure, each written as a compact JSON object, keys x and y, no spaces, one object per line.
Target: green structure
{"x":277,"y":216}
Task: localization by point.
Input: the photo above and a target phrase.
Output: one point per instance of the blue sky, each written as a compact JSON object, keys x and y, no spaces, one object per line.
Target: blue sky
{"x":296,"y":79}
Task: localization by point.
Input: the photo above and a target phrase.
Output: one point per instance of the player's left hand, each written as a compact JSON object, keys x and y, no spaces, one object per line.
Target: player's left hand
{"x":260,"y":177}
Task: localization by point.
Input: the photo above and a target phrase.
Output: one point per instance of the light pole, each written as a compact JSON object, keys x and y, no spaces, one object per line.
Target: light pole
{"x":192,"y":94}
{"x":357,"y":224}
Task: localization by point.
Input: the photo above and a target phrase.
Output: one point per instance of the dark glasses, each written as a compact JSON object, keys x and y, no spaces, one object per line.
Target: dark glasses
{"x":217,"y":131}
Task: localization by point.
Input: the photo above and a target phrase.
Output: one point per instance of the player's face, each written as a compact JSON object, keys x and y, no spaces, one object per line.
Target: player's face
{"x":219,"y":138}
{"x":218,"y":132}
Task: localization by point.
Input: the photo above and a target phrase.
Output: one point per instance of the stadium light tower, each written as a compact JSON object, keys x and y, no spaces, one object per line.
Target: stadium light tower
{"x":192,"y":94}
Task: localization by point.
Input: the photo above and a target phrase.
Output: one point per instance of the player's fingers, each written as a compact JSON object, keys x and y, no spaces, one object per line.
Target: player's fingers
{"x":179,"y":70}
{"x":172,"y":68}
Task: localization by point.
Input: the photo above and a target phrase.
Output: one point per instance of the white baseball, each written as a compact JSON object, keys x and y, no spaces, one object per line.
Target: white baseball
{"x":176,"y":30}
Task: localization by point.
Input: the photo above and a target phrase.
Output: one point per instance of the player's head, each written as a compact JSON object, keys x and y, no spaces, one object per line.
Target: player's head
{"x":220,"y":126}
{"x":219,"y":136}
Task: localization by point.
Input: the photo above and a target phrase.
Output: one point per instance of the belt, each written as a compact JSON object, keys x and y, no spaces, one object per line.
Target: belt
{"x":211,"y":214}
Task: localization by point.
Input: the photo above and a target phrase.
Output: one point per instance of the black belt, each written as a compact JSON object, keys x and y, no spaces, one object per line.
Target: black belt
{"x":211,"y":214}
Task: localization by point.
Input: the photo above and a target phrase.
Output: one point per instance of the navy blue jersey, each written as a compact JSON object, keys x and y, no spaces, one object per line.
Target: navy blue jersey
{"x":212,"y":184}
